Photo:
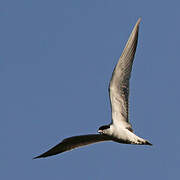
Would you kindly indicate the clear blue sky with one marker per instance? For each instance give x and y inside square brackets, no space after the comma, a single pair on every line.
[56,59]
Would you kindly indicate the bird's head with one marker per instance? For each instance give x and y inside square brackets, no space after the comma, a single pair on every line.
[104,129]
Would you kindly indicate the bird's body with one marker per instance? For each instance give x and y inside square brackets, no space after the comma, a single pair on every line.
[123,135]
[119,130]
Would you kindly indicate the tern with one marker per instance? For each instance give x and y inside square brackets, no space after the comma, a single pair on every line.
[120,129]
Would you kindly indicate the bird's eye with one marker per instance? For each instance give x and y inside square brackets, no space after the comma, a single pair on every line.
[104,127]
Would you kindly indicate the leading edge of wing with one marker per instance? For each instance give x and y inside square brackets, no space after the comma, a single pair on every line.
[74,142]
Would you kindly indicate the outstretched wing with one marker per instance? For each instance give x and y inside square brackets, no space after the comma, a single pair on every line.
[119,84]
[74,142]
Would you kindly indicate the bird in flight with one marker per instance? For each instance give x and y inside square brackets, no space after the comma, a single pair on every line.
[120,129]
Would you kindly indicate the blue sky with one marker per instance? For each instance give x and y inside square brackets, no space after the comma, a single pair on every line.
[55,64]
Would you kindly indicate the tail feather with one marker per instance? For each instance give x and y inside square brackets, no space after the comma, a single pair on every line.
[141,141]
[144,142]
[148,143]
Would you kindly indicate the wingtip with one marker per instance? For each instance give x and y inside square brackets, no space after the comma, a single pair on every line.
[138,21]
[37,157]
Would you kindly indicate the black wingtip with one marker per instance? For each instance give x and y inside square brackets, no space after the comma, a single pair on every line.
[37,157]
